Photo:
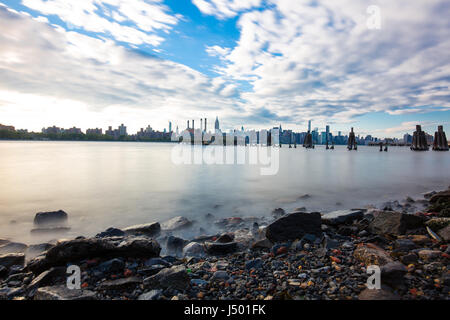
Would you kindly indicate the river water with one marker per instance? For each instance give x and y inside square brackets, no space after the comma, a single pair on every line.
[104,184]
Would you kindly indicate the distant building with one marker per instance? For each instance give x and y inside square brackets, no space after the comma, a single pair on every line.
[407,138]
[73,131]
[52,130]
[122,130]
[95,131]
[216,125]
[8,128]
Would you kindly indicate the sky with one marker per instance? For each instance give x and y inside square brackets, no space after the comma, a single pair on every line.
[380,66]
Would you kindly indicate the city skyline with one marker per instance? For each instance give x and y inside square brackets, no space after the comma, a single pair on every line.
[256,62]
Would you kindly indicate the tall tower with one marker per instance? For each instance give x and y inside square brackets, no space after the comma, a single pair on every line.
[216,124]
[205,124]
[170,126]
[309,125]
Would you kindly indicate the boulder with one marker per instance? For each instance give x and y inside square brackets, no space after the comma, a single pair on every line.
[13,247]
[294,226]
[149,229]
[51,217]
[225,238]
[79,249]
[3,241]
[392,273]
[278,212]
[61,292]
[371,254]
[443,196]
[47,277]
[395,223]
[176,223]
[175,277]
[110,232]
[342,217]
[216,248]
[193,249]
[11,259]
[175,244]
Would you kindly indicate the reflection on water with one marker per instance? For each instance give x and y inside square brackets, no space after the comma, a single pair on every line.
[103,184]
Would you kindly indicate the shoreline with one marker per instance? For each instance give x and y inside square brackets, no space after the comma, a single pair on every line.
[324,257]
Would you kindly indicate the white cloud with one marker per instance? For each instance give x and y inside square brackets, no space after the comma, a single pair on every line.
[225,8]
[146,17]
[50,71]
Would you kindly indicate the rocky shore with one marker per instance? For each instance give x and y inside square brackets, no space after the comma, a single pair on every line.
[298,255]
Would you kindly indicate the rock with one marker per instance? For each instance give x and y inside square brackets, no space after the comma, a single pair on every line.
[120,284]
[36,249]
[110,232]
[409,258]
[79,249]
[428,255]
[278,212]
[47,277]
[61,292]
[175,244]
[254,264]
[345,230]
[220,276]
[175,277]
[3,241]
[176,223]
[418,239]
[438,223]
[396,223]
[262,244]
[216,248]
[443,196]
[10,259]
[404,245]
[294,226]
[329,243]
[151,295]
[51,217]
[149,229]
[392,273]
[54,230]
[445,233]
[113,265]
[13,247]
[225,238]
[371,254]
[157,261]
[381,294]
[193,249]
[341,217]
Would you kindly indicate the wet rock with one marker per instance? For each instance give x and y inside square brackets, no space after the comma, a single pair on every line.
[445,233]
[216,248]
[225,238]
[175,244]
[79,249]
[220,276]
[409,258]
[294,226]
[175,277]
[342,217]
[176,223]
[10,259]
[151,295]
[404,245]
[262,244]
[61,292]
[254,264]
[443,196]
[113,265]
[51,217]
[381,294]
[371,254]
[13,247]
[347,230]
[329,243]
[110,232]
[157,261]
[428,255]
[120,284]
[193,249]
[149,229]
[392,273]
[396,223]
[47,277]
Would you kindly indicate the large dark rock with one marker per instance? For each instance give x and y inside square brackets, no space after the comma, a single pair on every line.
[61,292]
[11,259]
[175,277]
[393,273]
[110,232]
[217,248]
[51,217]
[443,196]
[47,277]
[148,229]
[342,217]
[294,226]
[395,223]
[13,247]
[175,244]
[79,249]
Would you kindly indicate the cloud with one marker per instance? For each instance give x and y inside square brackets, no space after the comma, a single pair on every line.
[319,60]
[45,65]
[132,21]
[223,9]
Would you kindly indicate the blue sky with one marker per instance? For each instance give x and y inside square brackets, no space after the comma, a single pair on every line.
[253,63]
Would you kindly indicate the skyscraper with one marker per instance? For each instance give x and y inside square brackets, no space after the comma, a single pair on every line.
[216,124]
[170,126]
[309,125]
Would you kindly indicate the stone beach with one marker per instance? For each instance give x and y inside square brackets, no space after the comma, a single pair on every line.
[298,255]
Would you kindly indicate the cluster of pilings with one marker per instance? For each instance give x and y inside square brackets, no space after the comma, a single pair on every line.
[352,141]
[308,143]
[440,140]
[419,140]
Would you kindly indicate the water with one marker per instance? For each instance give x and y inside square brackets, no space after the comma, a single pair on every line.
[104,184]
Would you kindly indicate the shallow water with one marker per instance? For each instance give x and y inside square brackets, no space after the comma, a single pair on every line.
[103,184]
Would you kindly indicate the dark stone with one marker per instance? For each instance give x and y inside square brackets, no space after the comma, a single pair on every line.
[329,243]
[216,248]
[61,292]
[443,196]
[225,238]
[393,273]
[47,277]
[36,249]
[13,247]
[113,265]
[111,232]
[374,294]
[342,217]
[152,229]
[51,217]
[254,264]
[79,249]
[347,230]
[445,233]
[157,261]
[10,259]
[294,226]
[404,245]
[175,243]
[3,271]
[175,277]
[396,223]
[409,258]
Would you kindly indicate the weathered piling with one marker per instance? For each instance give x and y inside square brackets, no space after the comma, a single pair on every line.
[440,142]
[308,143]
[419,142]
